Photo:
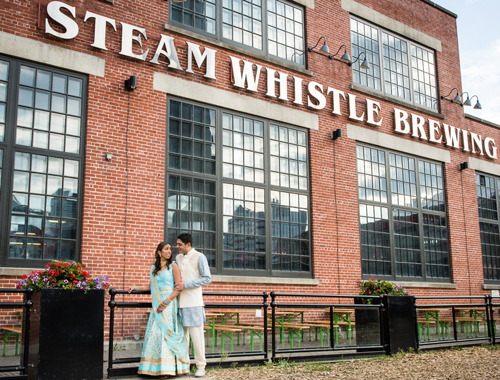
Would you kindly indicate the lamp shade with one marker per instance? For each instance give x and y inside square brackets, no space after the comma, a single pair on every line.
[478,106]
[467,102]
[365,65]
[457,99]
[324,49]
[345,58]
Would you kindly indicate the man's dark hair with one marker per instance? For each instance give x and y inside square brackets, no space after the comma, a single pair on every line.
[186,238]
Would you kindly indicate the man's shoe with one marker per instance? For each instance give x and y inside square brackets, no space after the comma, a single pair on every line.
[200,373]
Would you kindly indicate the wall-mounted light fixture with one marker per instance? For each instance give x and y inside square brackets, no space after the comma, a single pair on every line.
[345,57]
[337,134]
[323,50]
[464,165]
[131,83]
[364,65]
[457,99]
[108,156]
[468,101]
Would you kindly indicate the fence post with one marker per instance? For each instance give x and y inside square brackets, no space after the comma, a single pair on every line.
[383,337]
[265,305]
[493,327]
[26,325]
[273,325]
[112,305]
[415,318]
[488,319]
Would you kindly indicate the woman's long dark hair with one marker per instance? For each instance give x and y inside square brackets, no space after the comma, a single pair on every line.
[158,257]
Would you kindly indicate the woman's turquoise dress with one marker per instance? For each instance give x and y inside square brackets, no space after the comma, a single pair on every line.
[164,351]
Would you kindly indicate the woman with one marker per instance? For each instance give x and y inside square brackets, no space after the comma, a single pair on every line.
[164,352]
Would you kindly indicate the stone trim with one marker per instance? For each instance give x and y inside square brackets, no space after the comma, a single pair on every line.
[265,280]
[40,52]
[205,93]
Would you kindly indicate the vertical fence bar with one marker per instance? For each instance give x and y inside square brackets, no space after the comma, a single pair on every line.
[273,325]
[112,305]
[415,320]
[332,336]
[27,324]
[265,305]
[487,311]
[383,338]
[493,327]
[455,331]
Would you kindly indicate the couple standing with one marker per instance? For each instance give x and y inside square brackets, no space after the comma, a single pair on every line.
[173,323]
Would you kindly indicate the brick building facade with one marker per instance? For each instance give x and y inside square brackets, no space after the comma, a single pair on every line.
[228,135]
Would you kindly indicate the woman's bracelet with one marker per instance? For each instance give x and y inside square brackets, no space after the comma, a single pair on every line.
[167,302]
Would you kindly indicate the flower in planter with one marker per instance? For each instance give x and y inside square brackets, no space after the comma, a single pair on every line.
[374,287]
[62,275]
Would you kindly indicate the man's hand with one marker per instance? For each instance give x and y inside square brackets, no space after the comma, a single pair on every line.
[179,285]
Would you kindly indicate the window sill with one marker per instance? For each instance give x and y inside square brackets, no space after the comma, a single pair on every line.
[237,49]
[427,285]
[367,91]
[265,280]
[16,272]
[491,286]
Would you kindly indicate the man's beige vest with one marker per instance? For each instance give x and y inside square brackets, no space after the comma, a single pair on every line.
[188,264]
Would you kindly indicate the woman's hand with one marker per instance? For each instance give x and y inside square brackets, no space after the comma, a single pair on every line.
[160,308]
[130,289]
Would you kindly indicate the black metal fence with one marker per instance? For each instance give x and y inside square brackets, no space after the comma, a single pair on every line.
[22,368]
[339,320]
[457,322]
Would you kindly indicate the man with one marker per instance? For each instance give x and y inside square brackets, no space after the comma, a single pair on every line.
[195,273]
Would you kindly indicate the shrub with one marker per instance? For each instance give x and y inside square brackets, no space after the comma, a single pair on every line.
[374,287]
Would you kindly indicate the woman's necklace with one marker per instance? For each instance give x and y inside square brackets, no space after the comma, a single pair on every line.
[163,263]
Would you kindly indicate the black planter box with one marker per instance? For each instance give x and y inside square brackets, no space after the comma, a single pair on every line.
[66,335]
[400,330]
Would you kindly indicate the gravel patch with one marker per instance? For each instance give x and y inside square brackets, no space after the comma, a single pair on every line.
[472,363]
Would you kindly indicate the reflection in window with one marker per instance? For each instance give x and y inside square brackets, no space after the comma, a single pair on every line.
[290,231]
[487,201]
[49,110]
[391,219]
[246,23]
[406,70]
[191,143]
[191,207]
[247,184]
[244,227]
[44,207]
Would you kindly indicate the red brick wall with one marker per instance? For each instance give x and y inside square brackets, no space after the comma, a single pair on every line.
[103,239]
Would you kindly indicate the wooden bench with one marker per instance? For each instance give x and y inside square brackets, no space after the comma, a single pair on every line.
[225,330]
[11,330]
[423,324]
[255,330]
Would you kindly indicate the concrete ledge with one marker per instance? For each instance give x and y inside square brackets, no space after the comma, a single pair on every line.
[390,24]
[16,272]
[368,91]
[491,287]
[266,280]
[373,137]
[41,52]
[427,285]
[211,95]
[484,166]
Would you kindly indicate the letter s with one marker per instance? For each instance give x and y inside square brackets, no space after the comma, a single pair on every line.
[54,12]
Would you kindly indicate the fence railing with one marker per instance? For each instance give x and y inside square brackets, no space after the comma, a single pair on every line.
[463,319]
[26,305]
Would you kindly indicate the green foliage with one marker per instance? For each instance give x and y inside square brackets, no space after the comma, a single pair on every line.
[62,275]
[374,287]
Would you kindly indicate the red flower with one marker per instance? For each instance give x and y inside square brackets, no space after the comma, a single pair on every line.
[75,282]
[51,280]
[24,276]
[72,275]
